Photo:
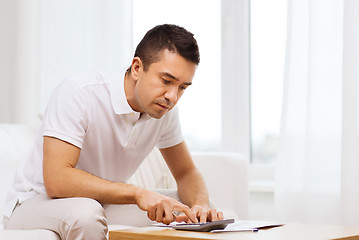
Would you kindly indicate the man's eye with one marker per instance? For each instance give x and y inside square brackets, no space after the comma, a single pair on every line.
[165,81]
[182,87]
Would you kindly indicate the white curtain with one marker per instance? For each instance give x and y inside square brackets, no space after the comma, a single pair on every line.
[60,37]
[317,177]
[350,149]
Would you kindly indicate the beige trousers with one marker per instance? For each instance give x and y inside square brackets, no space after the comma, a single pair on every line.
[76,218]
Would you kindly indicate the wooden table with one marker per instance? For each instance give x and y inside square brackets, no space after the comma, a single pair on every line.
[286,232]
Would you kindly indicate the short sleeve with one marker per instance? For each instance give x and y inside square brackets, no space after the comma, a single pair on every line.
[66,116]
[172,133]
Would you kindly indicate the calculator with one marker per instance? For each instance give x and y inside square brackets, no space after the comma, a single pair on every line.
[204,226]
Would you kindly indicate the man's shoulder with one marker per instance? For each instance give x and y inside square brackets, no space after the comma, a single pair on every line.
[86,78]
[81,85]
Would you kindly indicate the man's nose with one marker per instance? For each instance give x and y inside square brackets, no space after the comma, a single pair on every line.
[172,94]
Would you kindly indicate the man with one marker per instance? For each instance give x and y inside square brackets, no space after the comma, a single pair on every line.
[97,129]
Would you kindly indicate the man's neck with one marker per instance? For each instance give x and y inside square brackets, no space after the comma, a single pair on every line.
[129,88]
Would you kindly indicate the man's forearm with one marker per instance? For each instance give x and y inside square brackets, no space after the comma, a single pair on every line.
[73,182]
[192,189]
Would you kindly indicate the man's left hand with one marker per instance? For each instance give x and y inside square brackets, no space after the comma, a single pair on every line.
[203,214]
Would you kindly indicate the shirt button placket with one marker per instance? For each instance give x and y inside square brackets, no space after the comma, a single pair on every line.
[132,139]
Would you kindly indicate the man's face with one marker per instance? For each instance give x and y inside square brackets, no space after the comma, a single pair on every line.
[158,89]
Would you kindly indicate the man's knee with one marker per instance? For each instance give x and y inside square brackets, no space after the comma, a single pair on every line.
[87,212]
[88,216]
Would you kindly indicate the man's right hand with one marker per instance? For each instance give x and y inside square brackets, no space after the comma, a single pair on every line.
[160,208]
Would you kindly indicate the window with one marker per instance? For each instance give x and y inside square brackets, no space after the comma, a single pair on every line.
[200,107]
[267,41]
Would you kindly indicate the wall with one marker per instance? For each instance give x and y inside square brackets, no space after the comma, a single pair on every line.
[8,29]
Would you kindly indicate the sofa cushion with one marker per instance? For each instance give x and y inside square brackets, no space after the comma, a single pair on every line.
[15,143]
[28,235]
[153,173]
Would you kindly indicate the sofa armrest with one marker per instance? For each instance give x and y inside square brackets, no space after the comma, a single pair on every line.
[226,177]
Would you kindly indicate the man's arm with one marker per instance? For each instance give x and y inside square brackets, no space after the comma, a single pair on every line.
[62,179]
[191,187]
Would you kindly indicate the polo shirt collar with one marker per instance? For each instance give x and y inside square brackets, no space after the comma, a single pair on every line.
[117,93]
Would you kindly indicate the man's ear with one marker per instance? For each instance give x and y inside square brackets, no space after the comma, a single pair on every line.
[136,68]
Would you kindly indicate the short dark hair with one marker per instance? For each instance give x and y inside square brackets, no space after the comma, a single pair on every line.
[169,37]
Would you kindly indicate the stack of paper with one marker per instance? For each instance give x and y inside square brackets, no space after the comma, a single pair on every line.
[242,226]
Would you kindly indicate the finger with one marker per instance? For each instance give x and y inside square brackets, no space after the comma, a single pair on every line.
[168,216]
[182,218]
[213,215]
[220,215]
[159,213]
[187,211]
[203,215]
[151,214]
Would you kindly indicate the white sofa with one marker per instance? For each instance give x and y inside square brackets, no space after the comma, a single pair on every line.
[224,173]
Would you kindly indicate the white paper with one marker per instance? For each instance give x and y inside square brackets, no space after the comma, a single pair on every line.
[241,226]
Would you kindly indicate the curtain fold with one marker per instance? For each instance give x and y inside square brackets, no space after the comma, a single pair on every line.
[350,144]
[318,169]
[308,183]
[58,38]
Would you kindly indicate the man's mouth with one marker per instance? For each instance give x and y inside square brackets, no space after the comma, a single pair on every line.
[163,106]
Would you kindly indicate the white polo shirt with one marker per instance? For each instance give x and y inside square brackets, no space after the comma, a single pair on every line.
[90,111]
